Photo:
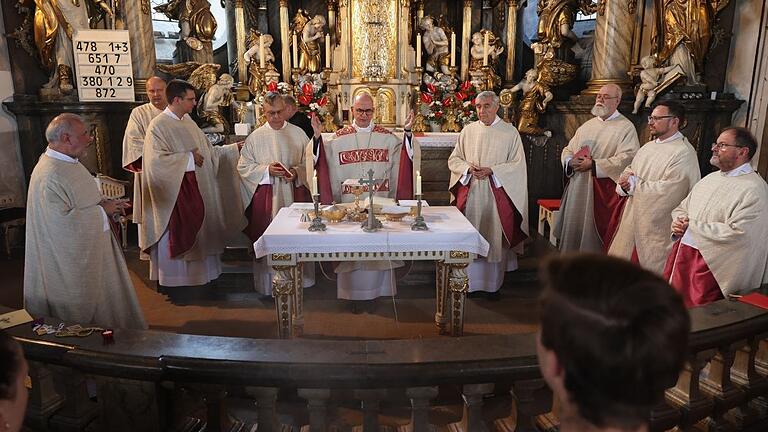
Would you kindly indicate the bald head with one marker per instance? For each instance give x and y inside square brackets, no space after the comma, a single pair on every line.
[362,110]
[156,92]
[68,134]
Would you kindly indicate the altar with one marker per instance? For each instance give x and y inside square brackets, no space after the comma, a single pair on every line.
[451,241]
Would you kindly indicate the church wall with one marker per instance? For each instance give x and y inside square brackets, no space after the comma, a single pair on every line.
[11,175]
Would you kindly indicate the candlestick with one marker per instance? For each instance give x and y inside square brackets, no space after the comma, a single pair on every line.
[317,222]
[485,49]
[453,49]
[418,222]
[295,51]
[418,183]
[314,183]
[327,51]
[418,49]
[262,60]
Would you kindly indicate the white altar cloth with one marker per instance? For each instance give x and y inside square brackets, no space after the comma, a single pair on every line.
[448,230]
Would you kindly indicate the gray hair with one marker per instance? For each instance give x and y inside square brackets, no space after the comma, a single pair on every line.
[272,97]
[60,125]
[487,94]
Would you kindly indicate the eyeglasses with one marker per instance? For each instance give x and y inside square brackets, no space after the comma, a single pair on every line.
[363,111]
[718,146]
[652,119]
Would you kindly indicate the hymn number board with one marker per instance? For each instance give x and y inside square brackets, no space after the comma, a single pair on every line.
[103,66]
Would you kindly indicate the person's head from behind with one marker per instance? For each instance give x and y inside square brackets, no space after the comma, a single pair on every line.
[13,391]
[290,106]
[613,337]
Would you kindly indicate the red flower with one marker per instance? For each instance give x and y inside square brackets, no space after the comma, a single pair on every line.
[305,99]
[272,86]
[460,96]
[323,101]
[447,102]
[431,88]
[466,85]
[426,98]
[438,114]
[307,89]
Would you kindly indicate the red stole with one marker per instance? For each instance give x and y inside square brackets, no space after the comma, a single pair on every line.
[608,206]
[405,175]
[511,219]
[690,276]
[323,175]
[134,166]
[259,211]
[187,216]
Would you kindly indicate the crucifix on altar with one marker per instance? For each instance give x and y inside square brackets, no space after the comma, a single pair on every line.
[372,224]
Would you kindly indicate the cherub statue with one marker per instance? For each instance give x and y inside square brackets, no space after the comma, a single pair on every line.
[197,25]
[253,61]
[309,32]
[650,77]
[556,19]
[536,96]
[495,48]
[441,80]
[216,97]
[54,24]
[436,44]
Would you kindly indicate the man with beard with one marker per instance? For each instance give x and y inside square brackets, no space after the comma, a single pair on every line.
[659,177]
[133,140]
[593,161]
[721,226]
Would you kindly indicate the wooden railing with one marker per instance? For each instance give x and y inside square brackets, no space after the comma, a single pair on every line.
[155,381]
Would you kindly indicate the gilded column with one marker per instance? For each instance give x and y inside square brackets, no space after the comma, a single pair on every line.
[331,5]
[285,37]
[138,21]
[614,29]
[511,38]
[466,35]
[242,69]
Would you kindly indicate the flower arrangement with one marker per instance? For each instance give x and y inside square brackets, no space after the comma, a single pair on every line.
[436,100]
[281,87]
[311,98]
[465,96]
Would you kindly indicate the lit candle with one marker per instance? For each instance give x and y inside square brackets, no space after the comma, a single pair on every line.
[262,60]
[327,51]
[418,49]
[453,49]
[418,183]
[314,184]
[485,49]
[295,51]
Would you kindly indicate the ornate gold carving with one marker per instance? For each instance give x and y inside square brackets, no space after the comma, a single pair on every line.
[556,18]
[601,7]
[145,7]
[459,255]
[374,41]
[281,257]
[632,6]
[284,3]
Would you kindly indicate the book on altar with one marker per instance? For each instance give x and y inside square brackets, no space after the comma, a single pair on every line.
[413,203]
[12,319]
[381,201]
[582,153]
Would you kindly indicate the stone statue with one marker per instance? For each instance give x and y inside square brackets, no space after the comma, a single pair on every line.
[650,78]
[556,18]
[309,32]
[683,30]
[436,44]
[54,24]
[495,48]
[213,100]
[252,61]
[198,26]
[536,96]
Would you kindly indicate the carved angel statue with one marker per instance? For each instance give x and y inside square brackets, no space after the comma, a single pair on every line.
[477,51]
[54,24]
[215,95]
[436,44]
[682,33]
[650,78]
[198,26]
[253,61]
[309,33]
[556,18]
[536,88]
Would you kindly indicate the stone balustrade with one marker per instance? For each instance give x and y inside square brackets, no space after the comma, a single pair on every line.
[156,381]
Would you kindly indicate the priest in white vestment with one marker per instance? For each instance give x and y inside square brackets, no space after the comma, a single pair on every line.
[74,268]
[185,226]
[273,176]
[489,184]
[721,227]
[661,174]
[593,161]
[350,154]
[133,140]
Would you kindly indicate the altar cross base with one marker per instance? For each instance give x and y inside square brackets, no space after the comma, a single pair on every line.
[371,224]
